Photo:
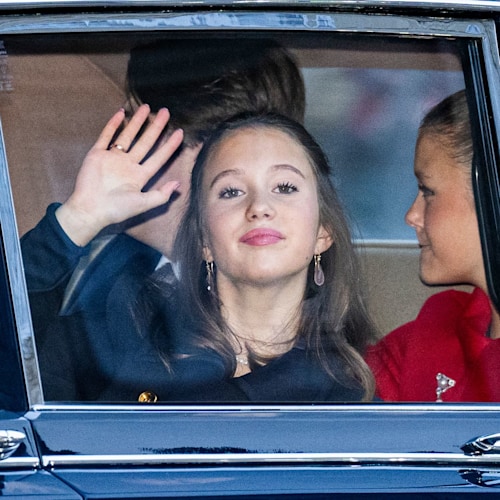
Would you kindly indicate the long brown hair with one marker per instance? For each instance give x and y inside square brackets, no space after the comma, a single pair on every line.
[333,319]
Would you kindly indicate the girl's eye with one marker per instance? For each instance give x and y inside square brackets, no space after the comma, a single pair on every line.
[286,188]
[230,192]
[425,190]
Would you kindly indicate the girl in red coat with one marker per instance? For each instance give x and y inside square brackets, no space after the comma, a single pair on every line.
[451,351]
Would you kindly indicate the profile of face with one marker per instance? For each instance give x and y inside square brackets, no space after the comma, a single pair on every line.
[444,217]
[260,209]
[158,228]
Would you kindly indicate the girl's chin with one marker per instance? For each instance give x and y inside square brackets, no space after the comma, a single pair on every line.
[427,277]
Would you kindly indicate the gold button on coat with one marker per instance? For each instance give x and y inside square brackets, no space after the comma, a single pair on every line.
[147,397]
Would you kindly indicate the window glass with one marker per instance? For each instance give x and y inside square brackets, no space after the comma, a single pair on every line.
[369,134]
[364,100]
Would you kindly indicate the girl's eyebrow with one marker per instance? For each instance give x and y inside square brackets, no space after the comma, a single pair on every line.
[237,171]
[286,166]
[224,173]
[420,174]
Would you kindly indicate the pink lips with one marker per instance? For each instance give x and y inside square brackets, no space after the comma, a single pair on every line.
[261,237]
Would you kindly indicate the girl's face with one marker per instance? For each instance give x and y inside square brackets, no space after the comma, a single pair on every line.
[261,209]
[444,217]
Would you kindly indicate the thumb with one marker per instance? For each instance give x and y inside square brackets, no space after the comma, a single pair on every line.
[168,188]
[156,197]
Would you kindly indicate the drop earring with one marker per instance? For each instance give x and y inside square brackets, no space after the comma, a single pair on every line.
[210,274]
[319,275]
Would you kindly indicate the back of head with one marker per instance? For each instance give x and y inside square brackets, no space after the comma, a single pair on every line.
[206,81]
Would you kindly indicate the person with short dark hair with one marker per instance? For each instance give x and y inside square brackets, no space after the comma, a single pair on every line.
[204,82]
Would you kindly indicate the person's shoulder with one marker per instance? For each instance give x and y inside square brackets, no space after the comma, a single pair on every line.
[445,302]
[454,306]
[436,314]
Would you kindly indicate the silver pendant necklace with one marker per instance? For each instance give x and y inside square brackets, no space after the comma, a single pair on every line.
[242,360]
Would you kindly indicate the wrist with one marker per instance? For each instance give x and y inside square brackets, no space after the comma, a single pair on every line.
[79,226]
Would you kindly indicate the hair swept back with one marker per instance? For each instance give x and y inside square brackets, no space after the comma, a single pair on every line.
[449,122]
[205,81]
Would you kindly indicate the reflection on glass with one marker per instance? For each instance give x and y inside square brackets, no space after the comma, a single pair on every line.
[367,120]
[363,103]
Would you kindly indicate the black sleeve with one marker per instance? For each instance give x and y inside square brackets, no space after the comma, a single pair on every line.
[49,255]
[49,258]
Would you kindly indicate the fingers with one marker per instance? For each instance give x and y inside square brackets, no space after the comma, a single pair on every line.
[126,155]
[150,136]
[160,196]
[129,133]
[163,153]
[110,129]
[138,147]
[124,143]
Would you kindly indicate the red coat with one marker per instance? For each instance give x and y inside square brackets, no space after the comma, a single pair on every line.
[449,336]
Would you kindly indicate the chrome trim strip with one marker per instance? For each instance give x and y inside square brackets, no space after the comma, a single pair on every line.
[466,5]
[491,53]
[443,459]
[284,21]
[207,409]
[320,21]
[17,282]
[19,462]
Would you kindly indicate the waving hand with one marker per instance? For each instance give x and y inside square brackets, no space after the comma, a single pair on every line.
[108,188]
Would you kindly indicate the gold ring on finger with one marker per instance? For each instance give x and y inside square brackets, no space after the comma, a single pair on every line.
[117,146]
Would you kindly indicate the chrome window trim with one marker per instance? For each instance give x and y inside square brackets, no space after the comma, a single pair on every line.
[269,408]
[482,30]
[463,5]
[318,21]
[343,458]
[491,56]
[19,462]
[19,293]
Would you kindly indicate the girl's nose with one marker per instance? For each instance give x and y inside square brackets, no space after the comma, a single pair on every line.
[414,215]
[260,207]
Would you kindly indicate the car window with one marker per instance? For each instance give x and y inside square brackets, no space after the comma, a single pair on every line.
[366,92]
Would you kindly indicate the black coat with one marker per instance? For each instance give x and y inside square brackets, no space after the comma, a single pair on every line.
[102,341]
[83,339]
